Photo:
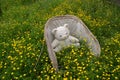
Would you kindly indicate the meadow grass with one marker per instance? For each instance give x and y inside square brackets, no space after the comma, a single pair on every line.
[21,40]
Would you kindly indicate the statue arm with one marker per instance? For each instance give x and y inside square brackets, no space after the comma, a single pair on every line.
[55,43]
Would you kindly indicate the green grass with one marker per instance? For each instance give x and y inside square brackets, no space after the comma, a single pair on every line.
[21,40]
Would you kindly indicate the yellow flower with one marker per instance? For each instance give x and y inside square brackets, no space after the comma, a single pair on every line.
[38,77]
[9,57]
[21,76]
[87,78]
[65,78]
[116,78]
[12,73]
[14,68]
[1,65]
[66,67]
[97,76]
[6,72]
[24,74]
[20,53]
[3,77]
[18,68]
[75,60]
[14,44]
[5,66]
[34,70]
[67,73]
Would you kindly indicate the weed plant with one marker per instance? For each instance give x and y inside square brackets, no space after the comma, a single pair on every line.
[21,40]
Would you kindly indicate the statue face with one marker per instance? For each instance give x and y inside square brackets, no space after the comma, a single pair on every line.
[62,33]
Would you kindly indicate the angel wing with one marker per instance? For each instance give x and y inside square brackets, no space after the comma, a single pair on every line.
[77,29]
